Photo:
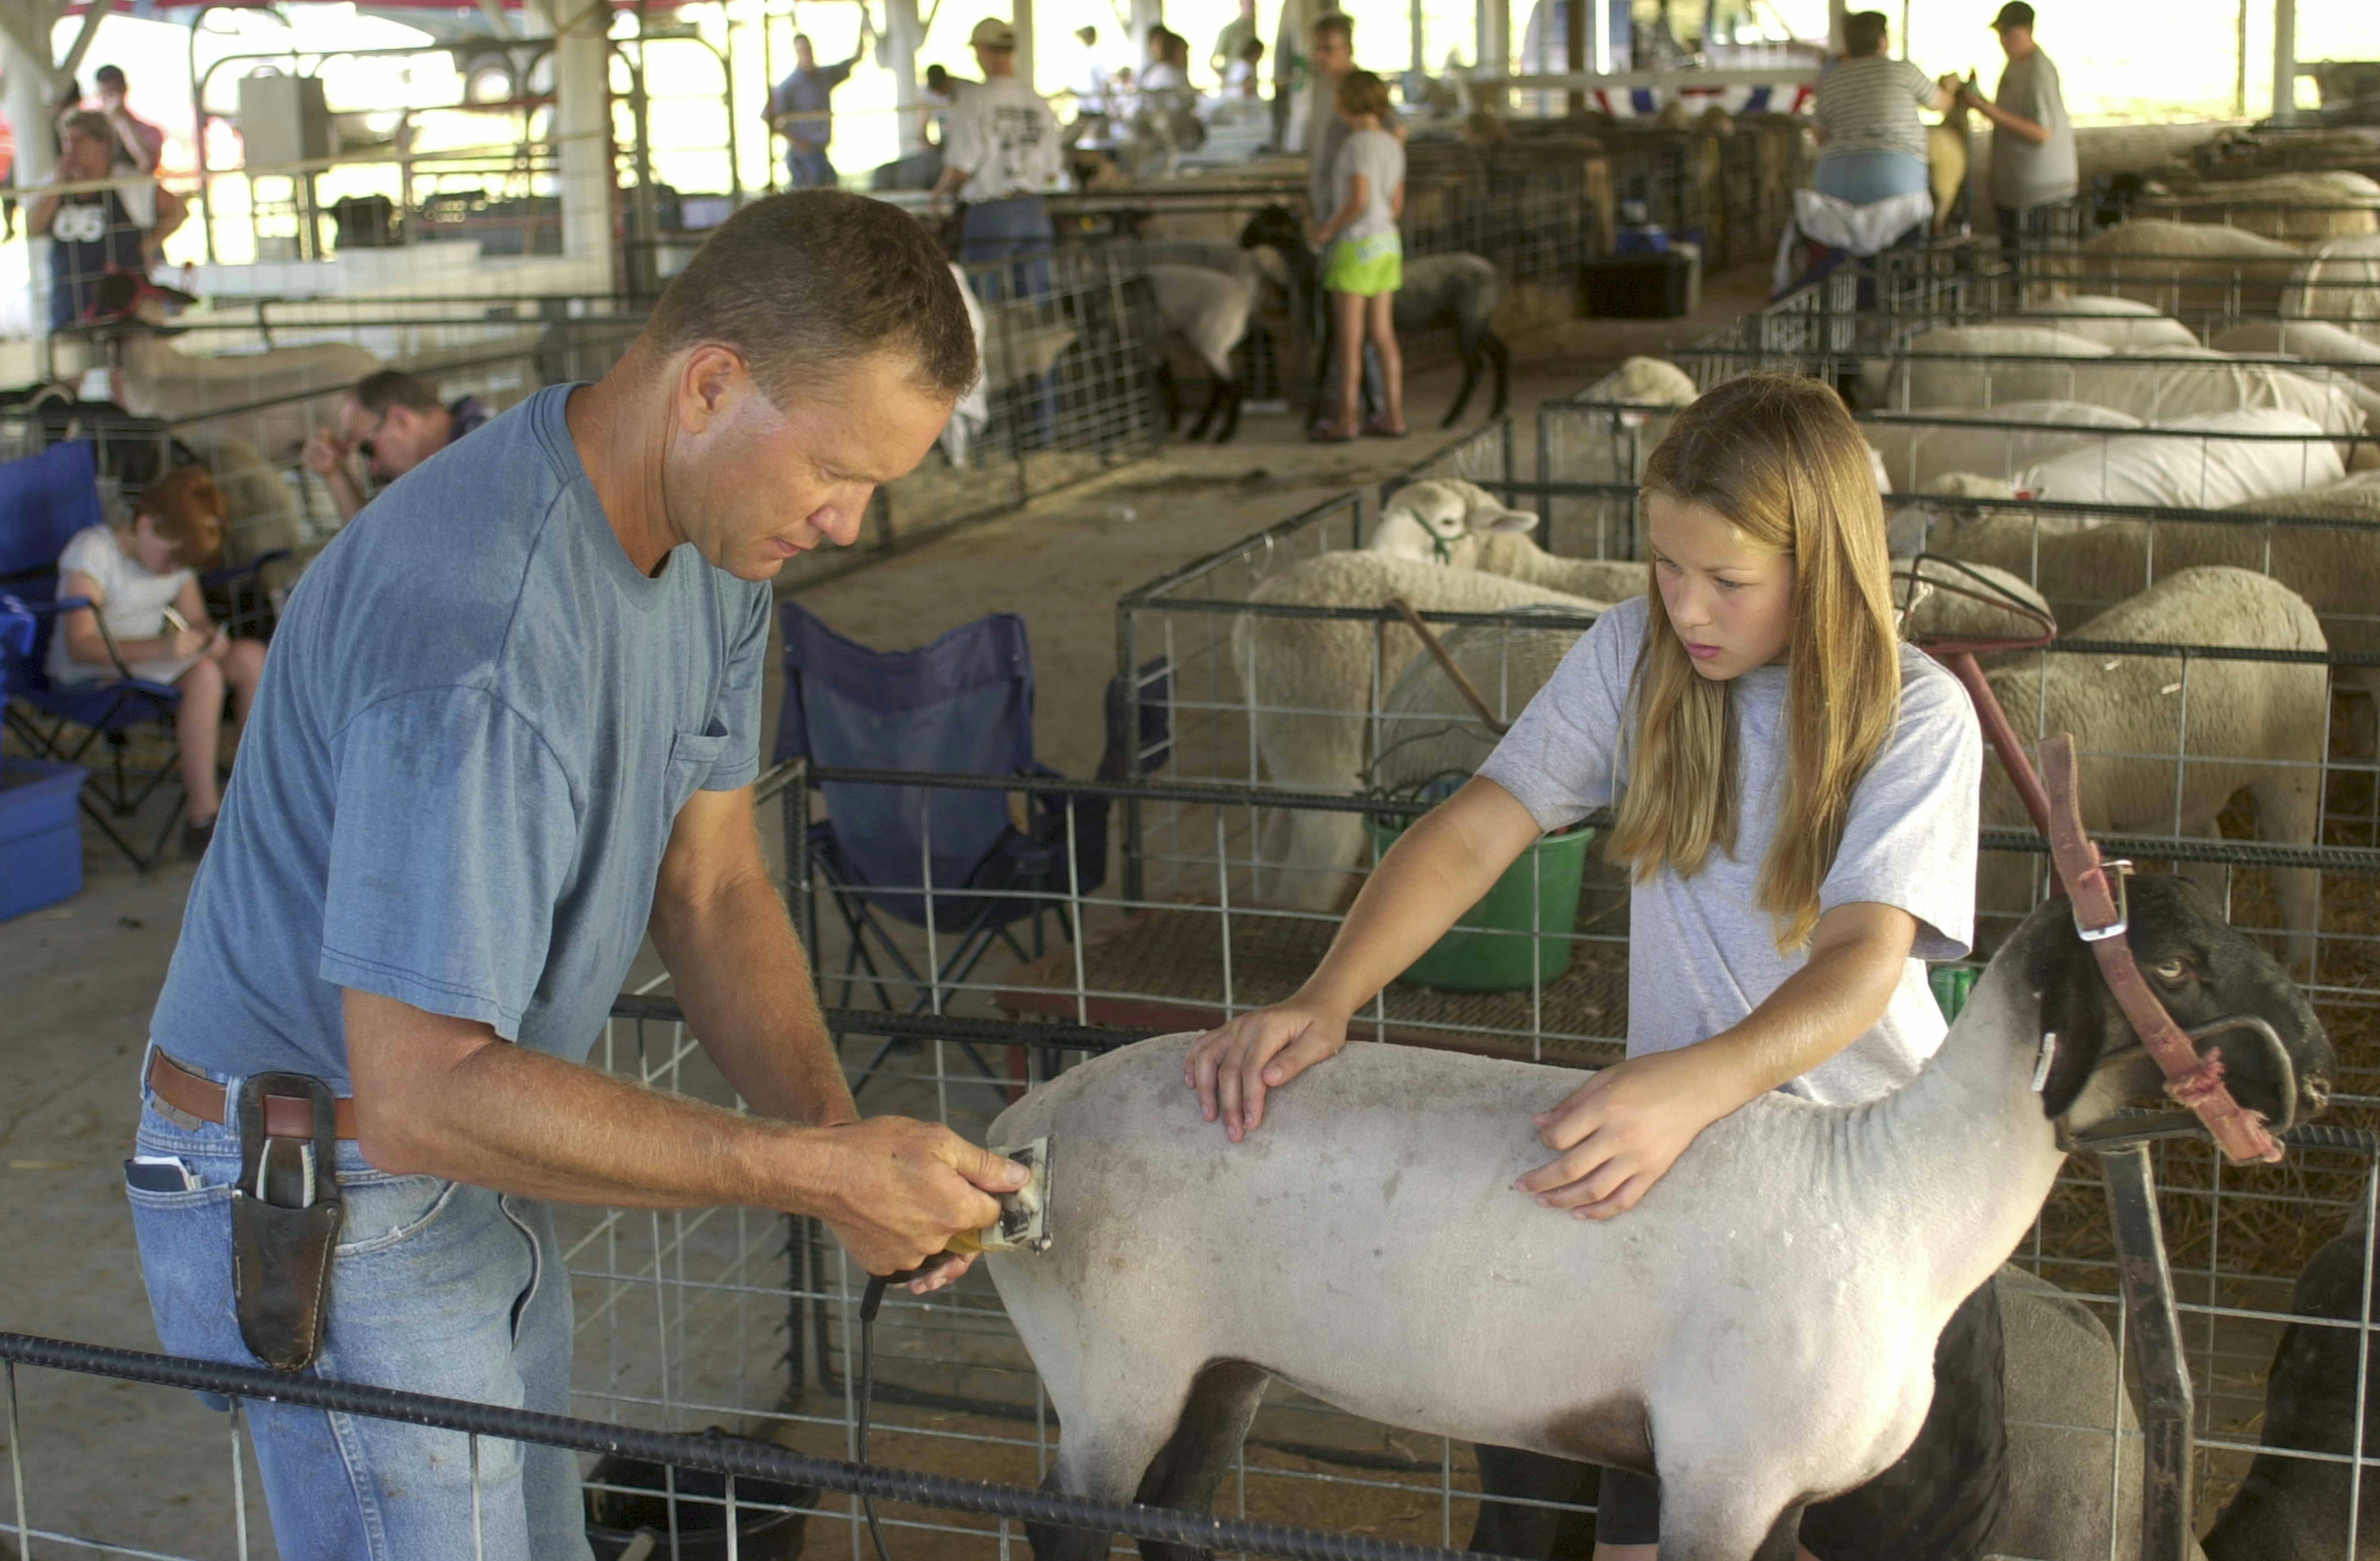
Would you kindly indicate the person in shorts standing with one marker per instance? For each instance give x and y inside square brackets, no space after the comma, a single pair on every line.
[1362,263]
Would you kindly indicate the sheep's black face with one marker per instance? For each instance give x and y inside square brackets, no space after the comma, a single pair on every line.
[2204,972]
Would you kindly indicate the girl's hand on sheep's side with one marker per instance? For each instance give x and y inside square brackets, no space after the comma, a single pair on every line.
[1622,1129]
[1232,1067]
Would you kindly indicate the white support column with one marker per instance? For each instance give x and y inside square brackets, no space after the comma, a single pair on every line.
[1598,38]
[1146,14]
[1021,18]
[1495,53]
[26,96]
[1836,11]
[903,36]
[1414,32]
[2285,60]
[582,121]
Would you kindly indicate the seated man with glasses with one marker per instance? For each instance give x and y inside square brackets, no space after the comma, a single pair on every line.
[391,422]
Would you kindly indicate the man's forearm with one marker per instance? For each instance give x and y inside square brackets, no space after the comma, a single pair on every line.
[503,1115]
[346,492]
[745,983]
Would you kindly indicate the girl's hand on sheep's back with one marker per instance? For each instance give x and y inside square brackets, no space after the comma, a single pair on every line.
[1622,1130]
[1232,1067]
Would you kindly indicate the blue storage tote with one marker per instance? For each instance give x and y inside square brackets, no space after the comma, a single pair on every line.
[40,837]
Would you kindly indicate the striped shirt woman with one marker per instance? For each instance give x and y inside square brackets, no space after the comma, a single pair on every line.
[1865,118]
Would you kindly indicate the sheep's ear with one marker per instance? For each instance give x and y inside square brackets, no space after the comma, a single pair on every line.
[2075,1006]
[1505,520]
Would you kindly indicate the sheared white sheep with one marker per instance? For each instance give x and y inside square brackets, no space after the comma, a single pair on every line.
[2317,341]
[2297,206]
[2184,268]
[1209,311]
[2257,725]
[1380,1260]
[1647,382]
[2230,456]
[2124,325]
[2340,281]
[1921,445]
[1921,382]
[1311,684]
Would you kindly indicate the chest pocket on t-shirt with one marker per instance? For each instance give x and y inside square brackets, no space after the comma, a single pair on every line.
[693,756]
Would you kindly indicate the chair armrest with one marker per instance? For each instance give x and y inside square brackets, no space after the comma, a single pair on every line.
[231,572]
[66,604]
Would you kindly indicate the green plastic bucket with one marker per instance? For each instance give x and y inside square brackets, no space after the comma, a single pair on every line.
[1952,985]
[1480,953]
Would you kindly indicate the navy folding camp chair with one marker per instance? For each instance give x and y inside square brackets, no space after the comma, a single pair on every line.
[940,856]
[44,500]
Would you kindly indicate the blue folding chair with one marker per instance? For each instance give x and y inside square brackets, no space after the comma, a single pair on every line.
[44,500]
[938,856]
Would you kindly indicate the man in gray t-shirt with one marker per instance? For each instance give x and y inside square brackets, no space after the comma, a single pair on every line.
[2034,164]
[1701,954]
[509,729]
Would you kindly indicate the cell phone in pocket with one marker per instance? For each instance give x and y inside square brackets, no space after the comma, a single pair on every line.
[154,1174]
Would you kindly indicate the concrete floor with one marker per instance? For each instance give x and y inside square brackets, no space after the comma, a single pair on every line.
[149,1467]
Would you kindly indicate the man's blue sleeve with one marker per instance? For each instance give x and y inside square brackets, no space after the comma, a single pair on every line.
[739,701]
[455,835]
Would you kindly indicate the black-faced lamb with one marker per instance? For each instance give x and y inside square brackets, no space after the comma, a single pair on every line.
[1209,311]
[1367,1246]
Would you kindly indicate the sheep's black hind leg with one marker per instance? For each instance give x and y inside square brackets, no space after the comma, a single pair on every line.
[1216,391]
[1462,396]
[1169,395]
[1232,394]
[1189,1468]
[1500,357]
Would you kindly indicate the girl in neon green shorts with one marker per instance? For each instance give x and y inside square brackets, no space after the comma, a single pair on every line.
[1363,258]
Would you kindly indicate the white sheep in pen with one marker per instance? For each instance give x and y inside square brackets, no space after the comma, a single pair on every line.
[2125,324]
[2185,267]
[2235,455]
[2255,725]
[2336,572]
[2340,281]
[1923,446]
[1366,1246]
[1310,683]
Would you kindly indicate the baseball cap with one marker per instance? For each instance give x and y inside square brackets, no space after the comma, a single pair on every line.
[992,34]
[2016,13]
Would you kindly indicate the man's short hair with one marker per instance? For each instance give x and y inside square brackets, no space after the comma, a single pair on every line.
[800,39]
[380,393]
[1864,33]
[89,123]
[1338,24]
[806,284]
[1087,35]
[109,75]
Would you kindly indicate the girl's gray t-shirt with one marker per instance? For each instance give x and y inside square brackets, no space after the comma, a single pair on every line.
[1380,158]
[1702,953]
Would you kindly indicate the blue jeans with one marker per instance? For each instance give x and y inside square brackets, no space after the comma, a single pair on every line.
[436,1287]
[1864,177]
[1000,230]
[810,170]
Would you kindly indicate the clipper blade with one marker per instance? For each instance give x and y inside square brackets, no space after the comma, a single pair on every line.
[1023,1223]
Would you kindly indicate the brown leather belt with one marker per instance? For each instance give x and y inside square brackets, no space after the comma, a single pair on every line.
[286,1116]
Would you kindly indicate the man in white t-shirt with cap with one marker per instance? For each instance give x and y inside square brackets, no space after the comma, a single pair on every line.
[1000,151]
[2034,165]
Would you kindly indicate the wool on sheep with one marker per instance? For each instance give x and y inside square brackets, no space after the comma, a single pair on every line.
[1921,445]
[2184,268]
[2269,452]
[2124,325]
[2340,281]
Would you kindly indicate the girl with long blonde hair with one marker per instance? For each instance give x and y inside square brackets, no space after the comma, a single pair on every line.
[1794,796]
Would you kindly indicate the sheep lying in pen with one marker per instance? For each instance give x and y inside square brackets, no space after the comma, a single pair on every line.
[2254,725]
[2339,282]
[2185,267]
[2238,455]
[1923,446]
[2124,325]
